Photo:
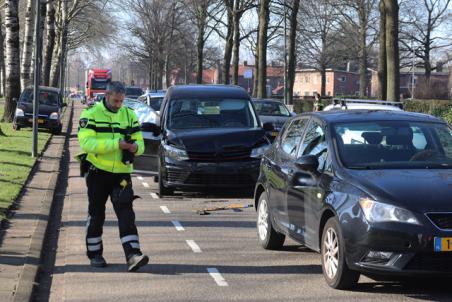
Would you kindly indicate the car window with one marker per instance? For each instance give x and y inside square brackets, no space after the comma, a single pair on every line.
[314,141]
[292,136]
[394,144]
[211,113]
[271,108]
[49,98]
[155,103]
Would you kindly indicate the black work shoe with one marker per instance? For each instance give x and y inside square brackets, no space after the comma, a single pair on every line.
[98,261]
[136,261]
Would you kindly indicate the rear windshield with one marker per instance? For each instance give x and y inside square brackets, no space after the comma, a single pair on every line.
[394,144]
[100,84]
[45,97]
[271,108]
[211,113]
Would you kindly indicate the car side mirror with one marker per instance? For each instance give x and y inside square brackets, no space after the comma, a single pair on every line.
[293,114]
[268,126]
[63,105]
[151,127]
[308,163]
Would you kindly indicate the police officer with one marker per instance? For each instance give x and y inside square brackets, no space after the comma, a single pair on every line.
[109,133]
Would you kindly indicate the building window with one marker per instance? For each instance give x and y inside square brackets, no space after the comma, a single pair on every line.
[328,79]
[314,93]
[306,78]
[342,78]
[329,93]
[306,93]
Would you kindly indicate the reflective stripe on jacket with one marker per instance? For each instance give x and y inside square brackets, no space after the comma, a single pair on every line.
[99,133]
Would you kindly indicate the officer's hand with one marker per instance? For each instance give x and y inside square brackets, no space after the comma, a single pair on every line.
[123,145]
[133,148]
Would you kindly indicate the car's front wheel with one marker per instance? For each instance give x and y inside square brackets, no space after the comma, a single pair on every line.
[163,191]
[268,237]
[334,267]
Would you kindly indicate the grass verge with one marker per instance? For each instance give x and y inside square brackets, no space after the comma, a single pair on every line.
[15,161]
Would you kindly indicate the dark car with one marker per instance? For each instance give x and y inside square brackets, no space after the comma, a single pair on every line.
[50,105]
[370,190]
[133,92]
[273,112]
[210,137]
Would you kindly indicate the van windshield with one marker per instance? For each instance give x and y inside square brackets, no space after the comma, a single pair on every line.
[49,98]
[211,113]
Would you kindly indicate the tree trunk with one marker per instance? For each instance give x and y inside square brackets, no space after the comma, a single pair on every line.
[2,60]
[151,73]
[56,60]
[50,42]
[382,64]
[323,79]
[362,51]
[236,43]
[264,17]
[12,64]
[392,50]
[255,69]
[26,76]
[199,53]
[292,59]
[229,43]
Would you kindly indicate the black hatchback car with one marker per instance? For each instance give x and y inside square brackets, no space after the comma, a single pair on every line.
[210,136]
[273,112]
[50,105]
[370,190]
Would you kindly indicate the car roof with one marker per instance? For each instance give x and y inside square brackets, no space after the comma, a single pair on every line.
[352,106]
[46,88]
[200,91]
[372,115]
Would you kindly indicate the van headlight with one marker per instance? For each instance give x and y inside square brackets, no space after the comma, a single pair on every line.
[53,116]
[19,112]
[259,151]
[175,153]
[381,212]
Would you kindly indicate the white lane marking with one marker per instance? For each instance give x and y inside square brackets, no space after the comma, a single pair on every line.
[155,196]
[140,178]
[165,209]
[145,184]
[178,226]
[217,276]
[195,248]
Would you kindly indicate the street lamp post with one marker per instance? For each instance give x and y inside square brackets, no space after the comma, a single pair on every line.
[37,77]
[285,53]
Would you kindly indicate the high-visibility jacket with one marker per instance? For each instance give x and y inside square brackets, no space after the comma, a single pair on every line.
[100,131]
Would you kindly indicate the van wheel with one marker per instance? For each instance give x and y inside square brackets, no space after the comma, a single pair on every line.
[334,267]
[268,237]
[57,130]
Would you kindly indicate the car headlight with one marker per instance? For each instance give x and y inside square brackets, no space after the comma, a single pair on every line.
[259,151]
[175,153]
[19,112]
[380,212]
[53,116]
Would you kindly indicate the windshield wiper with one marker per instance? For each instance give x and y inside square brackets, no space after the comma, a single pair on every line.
[361,167]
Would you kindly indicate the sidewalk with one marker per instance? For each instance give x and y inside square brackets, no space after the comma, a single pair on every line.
[22,241]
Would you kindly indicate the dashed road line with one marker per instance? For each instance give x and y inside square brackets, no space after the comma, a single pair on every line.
[155,196]
[195,248]
[165,209]
[145,184]
[215,274]
[178,226]
[140,178]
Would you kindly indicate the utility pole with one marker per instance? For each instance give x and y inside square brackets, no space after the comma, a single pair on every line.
[37,77]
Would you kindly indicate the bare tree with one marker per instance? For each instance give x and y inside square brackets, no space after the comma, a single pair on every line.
[50,41]
[392,50]
[420,30]
[261,63]
[2,59]
[382,63]
[27,49]
[12,67]
[291,55]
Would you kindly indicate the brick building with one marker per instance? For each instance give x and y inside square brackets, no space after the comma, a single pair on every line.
[338,82]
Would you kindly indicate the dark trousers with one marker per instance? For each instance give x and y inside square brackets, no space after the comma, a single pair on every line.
[101,185]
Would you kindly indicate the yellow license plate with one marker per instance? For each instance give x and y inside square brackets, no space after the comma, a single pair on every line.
[40,120]
[274,134]
[443,244]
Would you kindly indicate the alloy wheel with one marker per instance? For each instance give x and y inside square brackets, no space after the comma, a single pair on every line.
[331,253]
[262,220]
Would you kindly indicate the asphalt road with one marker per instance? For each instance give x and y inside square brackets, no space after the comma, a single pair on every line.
[194,257]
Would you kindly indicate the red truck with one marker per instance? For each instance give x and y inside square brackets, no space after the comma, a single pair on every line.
[96,81]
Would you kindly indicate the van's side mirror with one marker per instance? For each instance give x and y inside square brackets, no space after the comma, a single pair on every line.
[308,163]
[268,126]
[151,127]
[63,105]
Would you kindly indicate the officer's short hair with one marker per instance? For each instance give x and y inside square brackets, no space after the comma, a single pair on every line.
[116,87]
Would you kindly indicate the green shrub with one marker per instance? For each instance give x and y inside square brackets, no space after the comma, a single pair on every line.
[448,116]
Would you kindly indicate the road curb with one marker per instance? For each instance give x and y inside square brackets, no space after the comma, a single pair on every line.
[27,277]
